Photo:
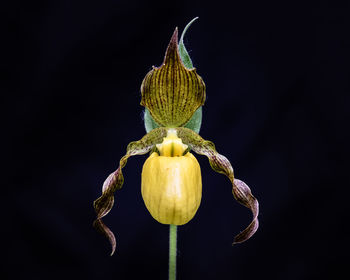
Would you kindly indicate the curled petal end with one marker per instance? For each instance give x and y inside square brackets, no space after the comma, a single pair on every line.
[243,195]
[103,229]
[247,233]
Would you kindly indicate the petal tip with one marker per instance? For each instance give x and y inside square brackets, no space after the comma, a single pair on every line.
[104,230]
[174,37]
[172,49]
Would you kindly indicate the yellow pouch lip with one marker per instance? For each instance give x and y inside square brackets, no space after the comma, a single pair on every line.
[171,188]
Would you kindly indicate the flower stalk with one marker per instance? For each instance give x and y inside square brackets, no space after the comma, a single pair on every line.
[172,251]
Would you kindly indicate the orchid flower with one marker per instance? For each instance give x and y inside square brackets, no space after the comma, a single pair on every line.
[171,187]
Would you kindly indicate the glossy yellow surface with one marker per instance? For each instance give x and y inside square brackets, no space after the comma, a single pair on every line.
[172,185]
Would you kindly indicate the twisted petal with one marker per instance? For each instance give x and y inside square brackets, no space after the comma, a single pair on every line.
[172,92]
[219,163]
[115,180]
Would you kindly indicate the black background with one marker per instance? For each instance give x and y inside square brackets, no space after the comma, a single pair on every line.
[277,76]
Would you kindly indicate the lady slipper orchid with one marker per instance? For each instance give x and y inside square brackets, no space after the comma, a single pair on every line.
[171,178]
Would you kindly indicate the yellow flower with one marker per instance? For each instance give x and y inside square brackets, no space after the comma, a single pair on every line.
[171,182]
[171,178]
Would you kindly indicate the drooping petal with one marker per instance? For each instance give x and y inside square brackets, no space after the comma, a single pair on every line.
[221,164]
[172,92]
[115,180]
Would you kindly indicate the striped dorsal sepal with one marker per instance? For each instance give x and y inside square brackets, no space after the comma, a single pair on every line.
[172,93]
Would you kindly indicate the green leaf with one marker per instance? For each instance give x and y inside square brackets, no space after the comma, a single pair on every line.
[185,57]
[150,123]
[195,122]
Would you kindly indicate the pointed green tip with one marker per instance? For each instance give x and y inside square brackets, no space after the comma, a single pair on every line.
[187,26]
[185,57]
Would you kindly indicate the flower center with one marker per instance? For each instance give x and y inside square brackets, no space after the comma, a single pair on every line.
[172,145]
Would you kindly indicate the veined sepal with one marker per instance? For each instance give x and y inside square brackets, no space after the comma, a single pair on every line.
[172,93]
[196,120]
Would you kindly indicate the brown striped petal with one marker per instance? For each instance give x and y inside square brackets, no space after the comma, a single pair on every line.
[221,164]
[172,92]
[115,180]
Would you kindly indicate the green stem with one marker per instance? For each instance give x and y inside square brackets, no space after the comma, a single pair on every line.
[172,252]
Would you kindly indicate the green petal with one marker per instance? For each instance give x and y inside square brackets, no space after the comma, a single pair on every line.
[221,164]
[172,92]
[115,180]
